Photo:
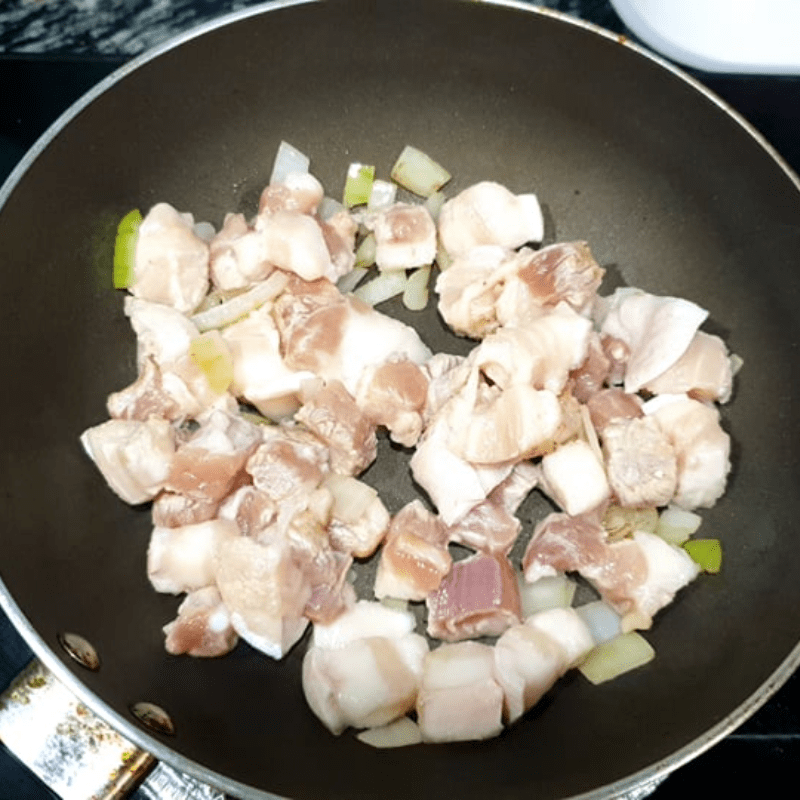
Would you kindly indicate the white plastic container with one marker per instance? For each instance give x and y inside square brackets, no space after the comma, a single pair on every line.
[739,36]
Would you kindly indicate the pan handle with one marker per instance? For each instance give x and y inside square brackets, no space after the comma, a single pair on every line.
[78,755]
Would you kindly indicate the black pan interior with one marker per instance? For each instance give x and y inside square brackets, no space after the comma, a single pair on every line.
[672,194]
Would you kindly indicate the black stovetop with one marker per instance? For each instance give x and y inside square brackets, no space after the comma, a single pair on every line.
[763,754]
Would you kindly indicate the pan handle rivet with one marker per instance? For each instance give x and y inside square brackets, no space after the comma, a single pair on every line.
[79,650]
[153,717]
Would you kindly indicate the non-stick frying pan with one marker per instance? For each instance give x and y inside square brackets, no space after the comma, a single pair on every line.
[674,193]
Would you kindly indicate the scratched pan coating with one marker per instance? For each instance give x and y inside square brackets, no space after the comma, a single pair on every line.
[673,193]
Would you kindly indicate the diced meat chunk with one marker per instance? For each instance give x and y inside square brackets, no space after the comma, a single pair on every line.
[297,191]
[209,463]
[162,332]
[364,683]
[260,375]
[170,260]
[405,237]
[202,627]
[238,255]
[294,242]
[134,457]
[459,698]
[701,445]
[540,352]
[640,462]
[359,519]
[480,597]
[145,397]
[182,559]
[586,380]
[332,414]
[489,527]
[393,394]
[657,330]
[703,371]
[290,462]
[612,404]
[531,657]
[488,213]
[265,592]
[365,619]
[575,478]
[172,510]
[414,558]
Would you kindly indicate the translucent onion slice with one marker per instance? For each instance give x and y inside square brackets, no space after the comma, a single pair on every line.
[328,208]
[365,252]
[389,283]
[210,352]
[415,295]
[125,249]
[418,172]
[434,204]
[383,195]
[619,655]
[549,591]
[241,305]
[676,525]
[400,733]
[205,230]
[601,620]
[358,184]
[288,159]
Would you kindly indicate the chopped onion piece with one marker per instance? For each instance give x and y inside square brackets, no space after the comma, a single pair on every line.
[350,280]
[237,307]
[676,525]
[358,185]
[706,552]
[365,253]
[210,352]
[418,172]
[443,258]
[328,208]
[415,295]
[549,591]
[736,362]
[434,204]
[125,249]
[613,658]
[601,620]
[621,522]
[288,159]
[395,602]
[383,195]
[400,733]
[205,230]
[389,283]
[351,497]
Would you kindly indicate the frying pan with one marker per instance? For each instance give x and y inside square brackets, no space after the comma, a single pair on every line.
[673,191]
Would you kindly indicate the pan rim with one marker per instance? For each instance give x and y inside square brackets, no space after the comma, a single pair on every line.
[633,786]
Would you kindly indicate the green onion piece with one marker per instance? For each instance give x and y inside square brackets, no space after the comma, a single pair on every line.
[358,186]
[706,552]
[210,352]
[418,172]
[125,249]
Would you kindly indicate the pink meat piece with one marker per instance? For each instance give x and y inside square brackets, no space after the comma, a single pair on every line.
[290,462]
[394,395]
[636,576]
[488,527]
[171,510]
[145,397]
[299,191]
[480,597]
[253,511]
[414,558]
[332,414]
[612,404]
[589,378]
[212,460]
[202,627]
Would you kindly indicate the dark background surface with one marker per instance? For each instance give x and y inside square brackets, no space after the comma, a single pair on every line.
[52,52]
